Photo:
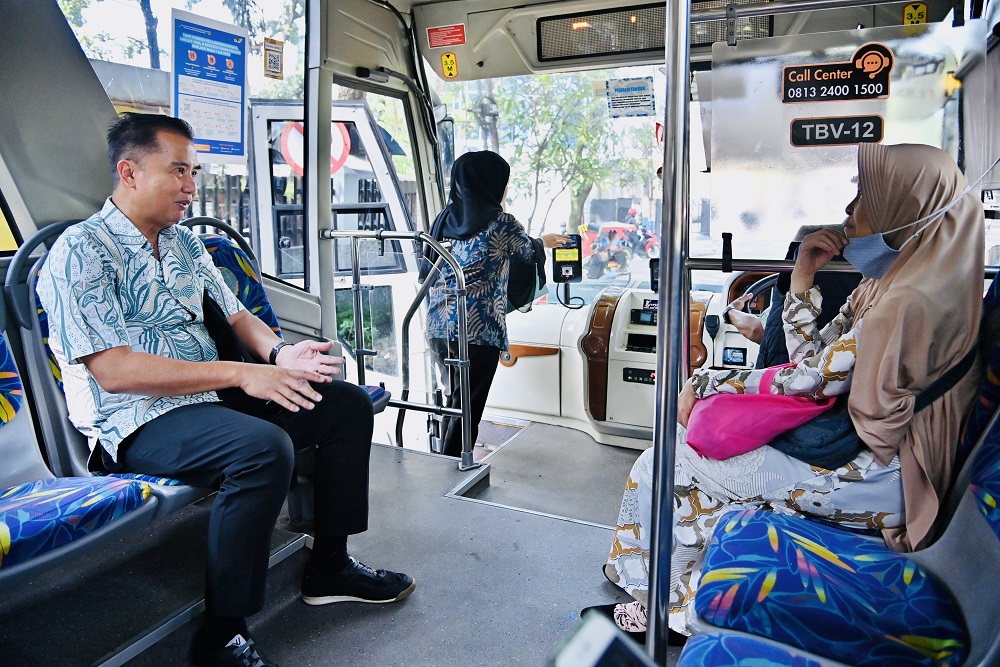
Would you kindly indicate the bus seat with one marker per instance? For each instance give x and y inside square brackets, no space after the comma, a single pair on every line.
[835,594]
[732,650]
[45,519]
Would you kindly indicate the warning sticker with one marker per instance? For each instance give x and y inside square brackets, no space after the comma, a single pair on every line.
[915,13]
[449,65]
[446,35]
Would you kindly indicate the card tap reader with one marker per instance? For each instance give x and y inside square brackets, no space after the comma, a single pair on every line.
[567,262]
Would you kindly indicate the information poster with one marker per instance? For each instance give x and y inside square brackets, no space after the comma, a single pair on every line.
[630,97]
[209,85]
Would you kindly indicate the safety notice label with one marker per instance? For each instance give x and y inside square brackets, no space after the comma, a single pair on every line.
[446,35]
[630,97]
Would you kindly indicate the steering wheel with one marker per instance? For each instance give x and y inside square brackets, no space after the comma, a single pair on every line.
[765,283]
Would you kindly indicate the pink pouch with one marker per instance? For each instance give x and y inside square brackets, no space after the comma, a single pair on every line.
[725,425]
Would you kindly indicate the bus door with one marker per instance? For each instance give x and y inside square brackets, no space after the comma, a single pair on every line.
[366,195]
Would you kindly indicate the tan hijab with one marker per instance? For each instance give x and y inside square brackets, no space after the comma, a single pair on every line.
[920,319]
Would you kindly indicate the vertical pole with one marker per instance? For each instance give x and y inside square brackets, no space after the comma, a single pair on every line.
[673,331]
[318,193]
[359,333]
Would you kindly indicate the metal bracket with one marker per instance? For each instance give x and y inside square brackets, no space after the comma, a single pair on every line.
[731,24]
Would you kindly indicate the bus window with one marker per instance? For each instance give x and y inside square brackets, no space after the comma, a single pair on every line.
[378,326]
[583,159]
[390,114]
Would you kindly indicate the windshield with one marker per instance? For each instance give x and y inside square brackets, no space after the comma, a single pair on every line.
[584,150]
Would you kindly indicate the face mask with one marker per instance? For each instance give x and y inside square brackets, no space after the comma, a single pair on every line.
[872,256]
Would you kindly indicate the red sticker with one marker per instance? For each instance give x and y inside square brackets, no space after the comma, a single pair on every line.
[446,35]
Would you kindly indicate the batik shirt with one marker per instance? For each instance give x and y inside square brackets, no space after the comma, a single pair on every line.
[485,259]
[824,360]
[102,287]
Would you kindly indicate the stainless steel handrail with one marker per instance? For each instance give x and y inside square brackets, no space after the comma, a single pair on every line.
[466,462]
[405,344]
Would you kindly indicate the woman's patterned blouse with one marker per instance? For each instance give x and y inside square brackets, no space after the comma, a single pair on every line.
[824,360]
[485,258]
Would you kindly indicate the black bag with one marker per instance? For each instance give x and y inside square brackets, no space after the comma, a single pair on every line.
[229,347]
[525,278]
[828,440]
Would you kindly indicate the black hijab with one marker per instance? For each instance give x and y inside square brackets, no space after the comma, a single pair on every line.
[478,182]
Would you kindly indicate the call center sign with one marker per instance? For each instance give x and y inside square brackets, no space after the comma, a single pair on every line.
[864,77]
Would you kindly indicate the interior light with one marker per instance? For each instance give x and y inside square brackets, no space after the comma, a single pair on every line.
[632,18]
[579,25]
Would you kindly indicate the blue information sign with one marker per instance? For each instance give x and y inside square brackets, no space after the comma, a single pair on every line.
[209,84]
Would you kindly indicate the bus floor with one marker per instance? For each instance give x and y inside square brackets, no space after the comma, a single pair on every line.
[496,585]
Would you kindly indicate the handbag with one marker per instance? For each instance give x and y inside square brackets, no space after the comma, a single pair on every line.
[828,440]
[724,425]
[526,280]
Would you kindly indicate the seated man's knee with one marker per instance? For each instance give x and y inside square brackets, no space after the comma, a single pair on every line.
[347,399]
[268,447]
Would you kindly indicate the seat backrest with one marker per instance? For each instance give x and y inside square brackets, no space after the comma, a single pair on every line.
[984,408]
[20,457]
[967,556]
[988,397]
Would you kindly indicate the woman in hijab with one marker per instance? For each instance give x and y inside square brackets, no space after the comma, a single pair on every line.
[916,233]
[483,239]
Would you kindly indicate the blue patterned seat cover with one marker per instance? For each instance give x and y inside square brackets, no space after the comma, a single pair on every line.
[36,517]
[39,516]
[828,592]
[739,651]
[985,482]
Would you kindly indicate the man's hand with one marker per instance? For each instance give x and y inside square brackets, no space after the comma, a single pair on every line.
[308,355]
[286,387]
[685,402]
[747,324]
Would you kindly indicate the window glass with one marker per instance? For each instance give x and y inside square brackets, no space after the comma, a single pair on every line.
[377,323]
[129,45]
[287,223]
[579,163]
[394,128]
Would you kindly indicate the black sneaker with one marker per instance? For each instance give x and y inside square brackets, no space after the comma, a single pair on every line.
[355,583]
[239,652]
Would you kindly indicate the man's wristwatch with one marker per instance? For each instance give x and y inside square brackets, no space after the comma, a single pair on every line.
[273,357]
[725,313]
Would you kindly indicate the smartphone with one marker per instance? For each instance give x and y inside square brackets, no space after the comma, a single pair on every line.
[597,642]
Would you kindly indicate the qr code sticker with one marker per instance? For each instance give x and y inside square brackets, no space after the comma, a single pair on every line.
[273,62]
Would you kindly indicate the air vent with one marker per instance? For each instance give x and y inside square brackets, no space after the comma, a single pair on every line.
[636,29]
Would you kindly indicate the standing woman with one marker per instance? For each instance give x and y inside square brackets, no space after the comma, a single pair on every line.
[915,232]
[483,239]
